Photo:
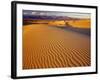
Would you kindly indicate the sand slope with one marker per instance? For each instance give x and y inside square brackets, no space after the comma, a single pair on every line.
[50,47]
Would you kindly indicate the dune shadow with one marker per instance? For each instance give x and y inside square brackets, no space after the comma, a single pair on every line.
[84,31]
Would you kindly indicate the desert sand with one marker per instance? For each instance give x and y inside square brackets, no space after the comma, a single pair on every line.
[46,46]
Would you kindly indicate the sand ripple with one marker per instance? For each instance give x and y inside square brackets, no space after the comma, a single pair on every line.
[50,47]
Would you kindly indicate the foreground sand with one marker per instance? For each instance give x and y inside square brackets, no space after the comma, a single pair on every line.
[50,47]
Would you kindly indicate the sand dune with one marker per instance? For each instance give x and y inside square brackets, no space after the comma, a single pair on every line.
[50,47]
[83,23]
[80,23]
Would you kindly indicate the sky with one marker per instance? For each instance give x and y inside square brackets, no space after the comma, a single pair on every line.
[53,13]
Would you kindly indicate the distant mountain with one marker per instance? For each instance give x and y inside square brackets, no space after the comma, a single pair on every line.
[47,17]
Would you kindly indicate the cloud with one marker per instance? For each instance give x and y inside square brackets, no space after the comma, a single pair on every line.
[53,13]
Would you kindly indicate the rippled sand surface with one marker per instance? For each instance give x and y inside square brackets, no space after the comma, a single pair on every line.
[51,47]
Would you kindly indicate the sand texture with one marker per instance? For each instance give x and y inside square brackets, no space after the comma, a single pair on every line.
[47,46]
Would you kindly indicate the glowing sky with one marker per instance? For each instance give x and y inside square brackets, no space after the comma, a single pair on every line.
[52,13]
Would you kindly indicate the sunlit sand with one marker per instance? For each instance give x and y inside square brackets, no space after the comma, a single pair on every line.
[47,46]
